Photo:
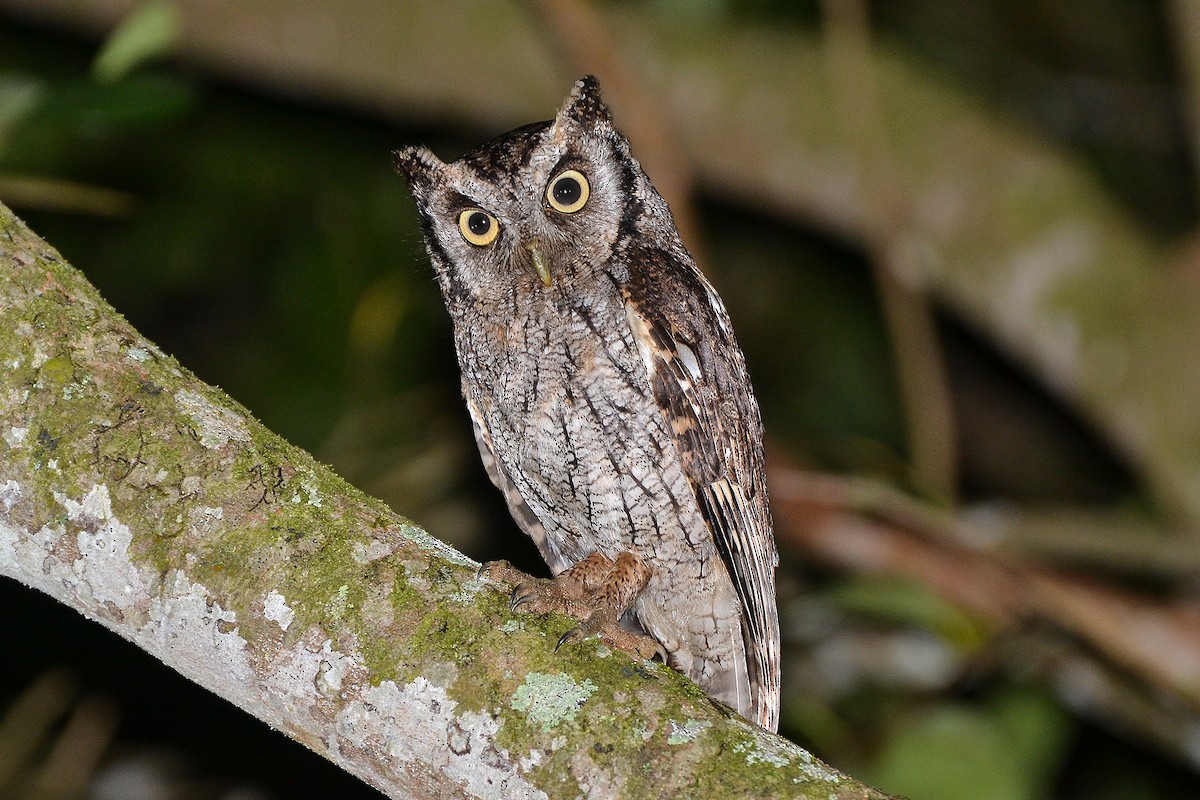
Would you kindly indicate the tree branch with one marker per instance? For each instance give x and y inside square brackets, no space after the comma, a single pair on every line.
[869,528]
[921,375]
[158,507]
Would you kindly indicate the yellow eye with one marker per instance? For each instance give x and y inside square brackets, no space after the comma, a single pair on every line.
[568,192]
[478,227]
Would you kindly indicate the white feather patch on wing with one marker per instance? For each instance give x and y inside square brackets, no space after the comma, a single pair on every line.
[690,362]
[641,335]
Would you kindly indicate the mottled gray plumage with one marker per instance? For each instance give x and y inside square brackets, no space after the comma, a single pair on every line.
[610,400]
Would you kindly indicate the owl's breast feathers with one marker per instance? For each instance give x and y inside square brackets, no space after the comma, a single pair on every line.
[698,377]
[584,455]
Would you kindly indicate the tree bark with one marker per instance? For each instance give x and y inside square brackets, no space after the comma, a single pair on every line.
[158,507]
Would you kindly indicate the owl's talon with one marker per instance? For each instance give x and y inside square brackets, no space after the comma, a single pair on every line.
[596,590]
[518,599]
[576,634]
[611,633]
[636,645]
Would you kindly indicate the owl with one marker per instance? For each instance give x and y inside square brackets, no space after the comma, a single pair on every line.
[609,398]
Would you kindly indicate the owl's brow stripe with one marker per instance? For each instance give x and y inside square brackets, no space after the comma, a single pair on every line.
[493,160]
[568,159]
[460,202]
[633,208]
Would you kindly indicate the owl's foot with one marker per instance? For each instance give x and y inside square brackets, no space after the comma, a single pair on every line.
[612,597]
[611,633]
[565,594]
[595,590]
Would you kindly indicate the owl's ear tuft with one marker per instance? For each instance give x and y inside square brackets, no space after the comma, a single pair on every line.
[584,106]
[416,164]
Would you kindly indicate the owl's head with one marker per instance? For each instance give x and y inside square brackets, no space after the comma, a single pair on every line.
[539,208]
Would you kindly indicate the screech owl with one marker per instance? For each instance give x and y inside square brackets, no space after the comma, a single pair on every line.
[609,397]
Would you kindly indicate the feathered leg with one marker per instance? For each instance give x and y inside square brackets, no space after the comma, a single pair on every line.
[595,590]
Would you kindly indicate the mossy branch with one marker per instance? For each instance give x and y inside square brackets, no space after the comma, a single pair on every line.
[160,508]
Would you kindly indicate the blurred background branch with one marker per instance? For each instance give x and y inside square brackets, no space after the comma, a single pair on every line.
[920,374]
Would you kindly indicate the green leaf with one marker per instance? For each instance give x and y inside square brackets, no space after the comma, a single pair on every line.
[1037,729]
[952,753]
[905,602]
[74,121]
[20,96]
[1005,749]
[148,32]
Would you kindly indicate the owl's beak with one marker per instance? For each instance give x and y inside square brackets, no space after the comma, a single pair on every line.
[540,265]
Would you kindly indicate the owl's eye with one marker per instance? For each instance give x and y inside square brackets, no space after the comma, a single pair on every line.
[478,227]
[568,192]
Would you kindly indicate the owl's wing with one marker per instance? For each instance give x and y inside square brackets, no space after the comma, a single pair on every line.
[520,510]
[698,376]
